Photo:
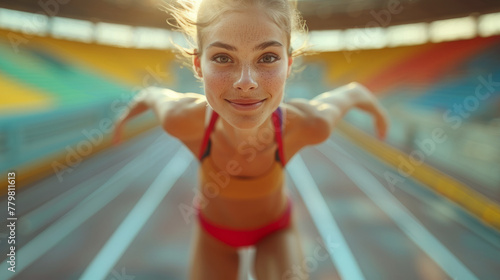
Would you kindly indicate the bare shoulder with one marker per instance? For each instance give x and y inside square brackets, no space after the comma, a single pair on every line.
[303,125]
[185,119]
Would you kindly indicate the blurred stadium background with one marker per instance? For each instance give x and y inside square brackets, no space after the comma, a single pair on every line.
[422,205]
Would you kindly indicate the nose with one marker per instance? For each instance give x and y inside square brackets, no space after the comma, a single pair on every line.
[246,80]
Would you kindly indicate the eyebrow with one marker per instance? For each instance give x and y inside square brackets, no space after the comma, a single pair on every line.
[222,45]
[267,44]
[261,46]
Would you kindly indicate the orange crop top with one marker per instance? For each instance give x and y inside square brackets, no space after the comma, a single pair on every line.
[239,187]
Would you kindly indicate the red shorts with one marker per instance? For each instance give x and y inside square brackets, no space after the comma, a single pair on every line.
[243,238]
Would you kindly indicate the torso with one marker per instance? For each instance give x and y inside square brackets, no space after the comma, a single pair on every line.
[253,212]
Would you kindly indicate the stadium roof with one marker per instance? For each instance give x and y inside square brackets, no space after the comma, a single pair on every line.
[319,14]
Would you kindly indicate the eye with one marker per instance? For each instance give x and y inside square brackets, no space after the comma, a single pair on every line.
[222,59]
[269,58]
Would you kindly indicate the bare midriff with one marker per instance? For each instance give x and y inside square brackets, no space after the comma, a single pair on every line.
[242,203]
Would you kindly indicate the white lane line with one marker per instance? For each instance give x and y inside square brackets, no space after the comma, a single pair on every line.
[428,197]
[51,236]
[398,213]
[42,215]
[121,239]
[88,166]
[341,255]
[246,263]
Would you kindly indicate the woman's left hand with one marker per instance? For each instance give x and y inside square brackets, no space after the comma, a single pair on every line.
[365,100]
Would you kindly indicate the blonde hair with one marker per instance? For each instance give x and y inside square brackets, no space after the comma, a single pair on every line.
[192,17]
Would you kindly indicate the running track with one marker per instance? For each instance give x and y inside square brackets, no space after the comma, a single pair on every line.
[116,216]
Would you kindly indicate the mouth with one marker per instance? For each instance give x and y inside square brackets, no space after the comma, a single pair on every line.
[246,104]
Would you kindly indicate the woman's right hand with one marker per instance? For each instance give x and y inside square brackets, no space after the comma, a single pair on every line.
[136,106]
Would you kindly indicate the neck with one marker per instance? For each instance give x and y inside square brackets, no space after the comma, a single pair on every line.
[258,137]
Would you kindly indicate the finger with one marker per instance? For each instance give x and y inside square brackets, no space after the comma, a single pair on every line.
[117,134]
[381,123]
[380,116]
[117,137]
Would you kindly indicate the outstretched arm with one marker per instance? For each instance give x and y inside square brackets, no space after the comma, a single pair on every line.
[334,104]
[172,109]
[320,115]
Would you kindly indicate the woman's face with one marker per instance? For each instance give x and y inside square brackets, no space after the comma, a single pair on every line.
[244,64]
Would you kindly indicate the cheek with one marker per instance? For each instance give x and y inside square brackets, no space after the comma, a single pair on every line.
[216,82]
[273,80]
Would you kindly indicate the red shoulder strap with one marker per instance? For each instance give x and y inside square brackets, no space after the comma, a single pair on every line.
[206,137]
[277,118]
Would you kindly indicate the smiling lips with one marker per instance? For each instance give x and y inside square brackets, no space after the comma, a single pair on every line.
[246,104]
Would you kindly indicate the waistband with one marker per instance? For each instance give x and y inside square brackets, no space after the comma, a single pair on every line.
[243,238]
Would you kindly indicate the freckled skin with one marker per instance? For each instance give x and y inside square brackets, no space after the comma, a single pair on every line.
[245,76]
